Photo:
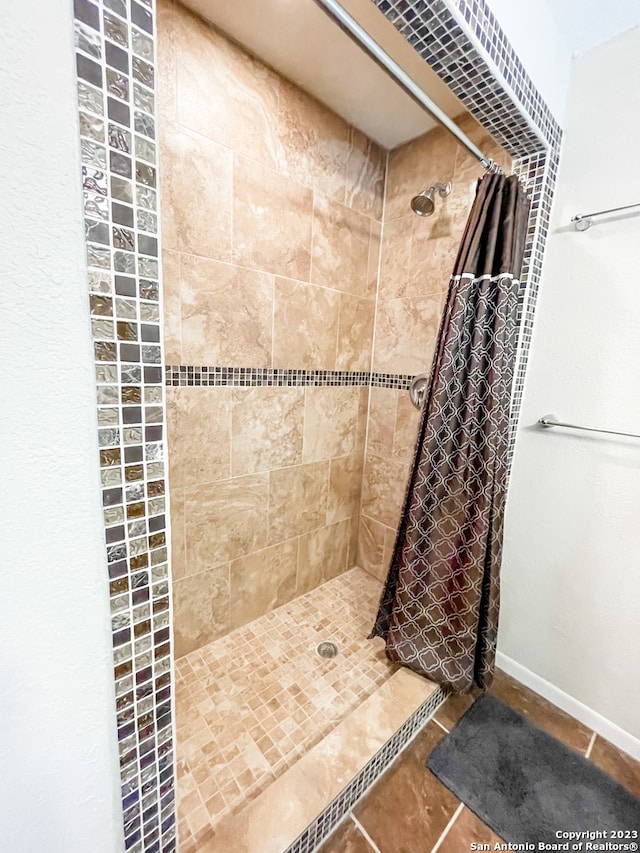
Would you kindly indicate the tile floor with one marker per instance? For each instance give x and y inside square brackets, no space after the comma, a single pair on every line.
[409,811]
[251,703]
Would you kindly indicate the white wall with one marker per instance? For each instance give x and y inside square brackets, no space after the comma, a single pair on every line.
[532,29]
[571,576]
[58,751]
[588,23]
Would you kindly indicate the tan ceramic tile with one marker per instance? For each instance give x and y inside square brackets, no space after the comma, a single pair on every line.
[322,555]
[271,221]
[200,608]
[541,712]
[196,193]
[345,486]
[262,581]
[355,336]
[617,764]
[178,542]
[340,247]
[227,314]
[468,829]
[371,547]
[198,434]
[365,175]
[375,239]
[331,422]
[347,838]
[171,307]
[395,257]
[225,520]
[406,333]
[415,166]
[298,500]
[314,142]
[223,93]
[166,64]
[383,488]
[267,428]
[305,326]
[408,789]
[406,430]
[455,706]
[382,420]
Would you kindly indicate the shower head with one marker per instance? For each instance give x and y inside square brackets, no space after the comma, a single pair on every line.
[423,204]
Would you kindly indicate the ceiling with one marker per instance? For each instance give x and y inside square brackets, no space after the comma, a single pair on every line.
[587,23]
[301,42]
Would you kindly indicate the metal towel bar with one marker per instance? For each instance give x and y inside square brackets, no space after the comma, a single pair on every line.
[552,421]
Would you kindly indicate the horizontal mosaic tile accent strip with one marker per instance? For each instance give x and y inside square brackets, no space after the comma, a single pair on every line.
[256,376]
[115,80]
[328,819]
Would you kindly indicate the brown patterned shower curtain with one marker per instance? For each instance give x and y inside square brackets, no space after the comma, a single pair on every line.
[439,610]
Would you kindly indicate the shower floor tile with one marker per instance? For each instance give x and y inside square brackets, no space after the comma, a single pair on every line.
[251,703]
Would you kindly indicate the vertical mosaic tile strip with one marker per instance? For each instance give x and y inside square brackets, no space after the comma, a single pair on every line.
[115,79]
[330,817]
[463,43]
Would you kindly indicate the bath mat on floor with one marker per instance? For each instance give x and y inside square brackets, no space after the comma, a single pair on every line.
[527,786]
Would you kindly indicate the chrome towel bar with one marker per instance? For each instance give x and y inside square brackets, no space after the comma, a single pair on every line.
[552,421]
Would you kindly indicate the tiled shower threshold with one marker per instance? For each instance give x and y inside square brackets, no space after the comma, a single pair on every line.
[260,700]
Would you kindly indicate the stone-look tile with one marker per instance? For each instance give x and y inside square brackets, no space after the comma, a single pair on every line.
[347,838]
[313,142]
[262,581]
[375,240]
[415,166]
[322,555]
[355,335]
[541,712]
[178,541]
[340,248]
[198,435]
[408,789]
[466,829]
[365,175]
[200,608]
[620,766]
[225,94]
[331,422]
[345,487]
[371,547]
[271,221]
[266,428]
[455,706]
[383,488]
[166,64]
[406,332]
[382,420]
[171,307]
[305,326]
[225,520]
[227,314]
[298,500]
[395,257]
[196,193]
[406,431]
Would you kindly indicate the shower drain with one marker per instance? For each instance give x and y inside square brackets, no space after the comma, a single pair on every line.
[327,650]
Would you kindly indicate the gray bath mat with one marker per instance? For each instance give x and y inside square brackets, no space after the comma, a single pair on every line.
[526,785]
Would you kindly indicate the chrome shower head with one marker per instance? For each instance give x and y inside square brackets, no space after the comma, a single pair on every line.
[423,204]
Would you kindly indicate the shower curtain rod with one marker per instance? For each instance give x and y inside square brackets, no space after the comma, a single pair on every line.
[353,29]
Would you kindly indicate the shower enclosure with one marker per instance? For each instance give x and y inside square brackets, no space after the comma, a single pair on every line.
[301,294]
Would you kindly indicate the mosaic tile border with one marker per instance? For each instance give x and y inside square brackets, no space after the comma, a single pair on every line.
[115,55]
[462,41]
[200,376]
[340,806]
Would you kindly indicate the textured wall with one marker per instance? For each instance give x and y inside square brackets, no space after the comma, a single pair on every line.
[271,222]
[570,579]
[58,747]
[417,258]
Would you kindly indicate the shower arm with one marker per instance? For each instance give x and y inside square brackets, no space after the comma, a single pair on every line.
[352,28]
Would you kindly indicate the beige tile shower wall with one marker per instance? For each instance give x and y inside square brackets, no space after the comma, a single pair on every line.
[417,257]
[271,209]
